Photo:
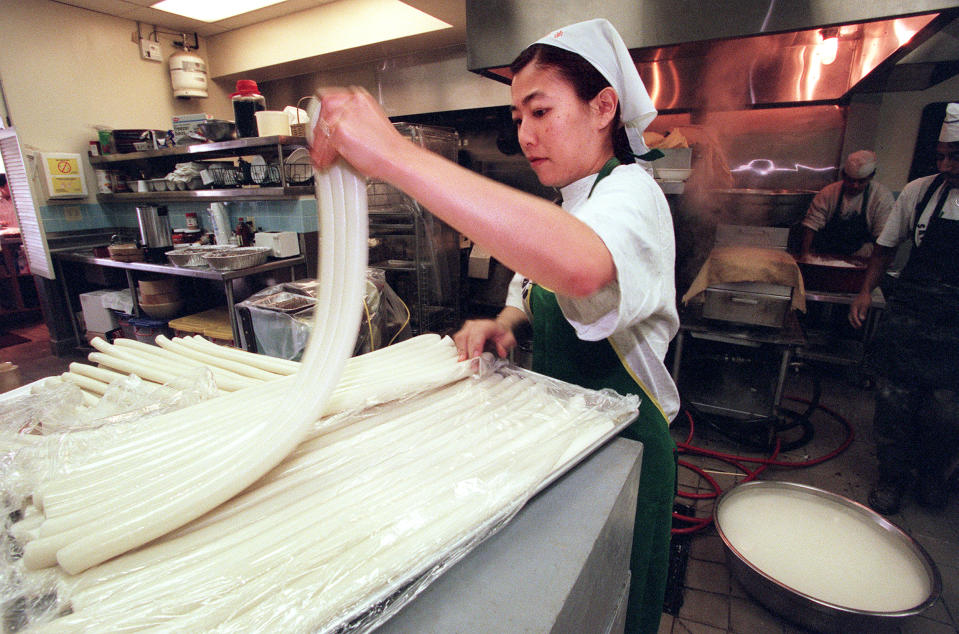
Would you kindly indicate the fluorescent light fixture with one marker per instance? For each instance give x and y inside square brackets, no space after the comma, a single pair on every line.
[212,10]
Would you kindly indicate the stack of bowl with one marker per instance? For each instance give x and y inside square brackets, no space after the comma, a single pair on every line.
[160,298]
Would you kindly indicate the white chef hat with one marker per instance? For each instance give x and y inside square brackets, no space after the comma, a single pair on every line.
[600,45]
[950,125]
[861,164]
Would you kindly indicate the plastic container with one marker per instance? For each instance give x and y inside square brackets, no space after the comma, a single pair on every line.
[247,101]
[146,330]
[272,123]
[126,328]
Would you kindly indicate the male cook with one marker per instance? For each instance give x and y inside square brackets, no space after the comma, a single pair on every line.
[915,351]
[847,216]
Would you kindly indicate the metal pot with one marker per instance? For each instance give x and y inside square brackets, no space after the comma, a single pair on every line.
[764,207]
[217,130]
[816,613]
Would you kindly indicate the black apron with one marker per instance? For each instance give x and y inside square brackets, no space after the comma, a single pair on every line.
[917,341]
[844,236]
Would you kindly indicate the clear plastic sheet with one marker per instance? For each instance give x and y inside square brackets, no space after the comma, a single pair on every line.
[282,327]
[51,404]
[66,433]
[356,521]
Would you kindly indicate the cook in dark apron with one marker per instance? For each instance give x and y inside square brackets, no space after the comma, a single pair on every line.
[915,351]
[559,353]
[844,236]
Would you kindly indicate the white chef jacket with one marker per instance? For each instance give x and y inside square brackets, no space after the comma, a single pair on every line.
[637,311]
[901,225]
[823,206]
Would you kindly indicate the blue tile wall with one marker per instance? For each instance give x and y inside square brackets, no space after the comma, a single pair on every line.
[270,215]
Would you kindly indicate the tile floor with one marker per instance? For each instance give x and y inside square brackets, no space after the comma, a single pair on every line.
[713,602]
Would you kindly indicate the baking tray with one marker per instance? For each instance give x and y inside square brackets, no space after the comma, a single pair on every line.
[238,258]
[192,257]
[383,604]
[285,302]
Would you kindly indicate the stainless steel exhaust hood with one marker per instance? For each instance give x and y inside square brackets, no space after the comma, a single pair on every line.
[721,55]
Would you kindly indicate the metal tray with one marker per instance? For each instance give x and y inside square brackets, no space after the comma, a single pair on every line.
[420,578]
[285,302]
[239,258]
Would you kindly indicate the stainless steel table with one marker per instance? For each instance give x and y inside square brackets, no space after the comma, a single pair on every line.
[822,342]
[738,393]
[560,565]
[130,268]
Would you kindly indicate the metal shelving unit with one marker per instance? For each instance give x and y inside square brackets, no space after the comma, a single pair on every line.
[163,161]
[418,251]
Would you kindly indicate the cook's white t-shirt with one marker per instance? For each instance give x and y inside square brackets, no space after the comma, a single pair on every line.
[902,225]
[637,311]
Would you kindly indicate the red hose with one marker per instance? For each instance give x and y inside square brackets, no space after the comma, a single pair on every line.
[696,523]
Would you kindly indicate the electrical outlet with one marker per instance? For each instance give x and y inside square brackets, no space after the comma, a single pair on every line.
[151,50]
[72,214]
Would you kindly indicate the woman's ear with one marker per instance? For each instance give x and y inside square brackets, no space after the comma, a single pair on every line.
[604,104]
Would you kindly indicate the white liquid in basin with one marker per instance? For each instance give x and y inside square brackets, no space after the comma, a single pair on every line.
[824,549]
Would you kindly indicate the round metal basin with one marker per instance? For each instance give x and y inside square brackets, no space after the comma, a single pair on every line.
[822,560]
[764,207]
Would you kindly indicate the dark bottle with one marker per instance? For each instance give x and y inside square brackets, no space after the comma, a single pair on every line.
[247,100]
[244,235]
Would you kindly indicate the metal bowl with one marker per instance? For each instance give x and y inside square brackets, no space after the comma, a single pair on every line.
[239,258]
[802,575]
[764,207]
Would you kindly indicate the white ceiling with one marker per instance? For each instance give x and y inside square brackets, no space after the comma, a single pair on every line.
[450,11]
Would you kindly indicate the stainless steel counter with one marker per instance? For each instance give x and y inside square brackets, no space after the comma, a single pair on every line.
[224,277]
[561,565]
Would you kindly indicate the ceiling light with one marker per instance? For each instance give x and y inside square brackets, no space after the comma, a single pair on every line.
[212,10]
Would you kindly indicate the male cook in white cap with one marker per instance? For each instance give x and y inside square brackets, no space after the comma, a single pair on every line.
[847,216]
[915,351]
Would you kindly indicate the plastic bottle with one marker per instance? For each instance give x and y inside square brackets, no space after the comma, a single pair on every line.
[219,219]
[247,100]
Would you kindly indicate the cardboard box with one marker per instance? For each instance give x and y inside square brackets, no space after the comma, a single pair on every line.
[184,124]
[479,263]
[96,317]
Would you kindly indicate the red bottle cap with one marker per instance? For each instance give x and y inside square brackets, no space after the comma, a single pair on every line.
[246,87]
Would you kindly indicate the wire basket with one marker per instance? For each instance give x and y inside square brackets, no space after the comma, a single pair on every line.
[224,177]
[265,175]
[298,173]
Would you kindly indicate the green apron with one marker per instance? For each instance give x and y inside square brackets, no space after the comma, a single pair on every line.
[559,353]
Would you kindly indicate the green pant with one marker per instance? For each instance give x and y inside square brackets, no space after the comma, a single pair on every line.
[649,560]
[559,353]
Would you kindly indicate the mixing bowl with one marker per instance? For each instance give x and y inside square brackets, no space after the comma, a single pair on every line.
[822,560]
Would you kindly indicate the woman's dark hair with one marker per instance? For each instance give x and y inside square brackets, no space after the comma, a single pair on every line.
[585,79]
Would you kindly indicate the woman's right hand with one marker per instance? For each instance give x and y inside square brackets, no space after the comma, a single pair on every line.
[472,338]
[353,125]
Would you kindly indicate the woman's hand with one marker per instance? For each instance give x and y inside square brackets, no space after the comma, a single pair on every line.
[353,125]
[472,338]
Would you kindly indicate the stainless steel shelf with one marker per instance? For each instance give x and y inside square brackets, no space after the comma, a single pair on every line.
[244,193]
[165,158]
[235,147]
